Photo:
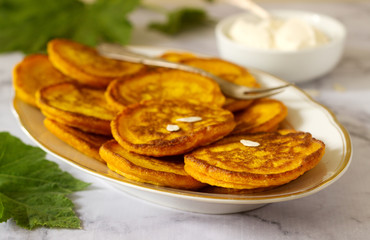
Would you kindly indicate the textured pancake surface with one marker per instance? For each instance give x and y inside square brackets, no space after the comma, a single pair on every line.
[142,128]
[164,84]
[275,159]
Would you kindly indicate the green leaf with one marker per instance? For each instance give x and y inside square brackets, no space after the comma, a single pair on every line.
[105,21]
[33,190]
[27,26]
[180,20]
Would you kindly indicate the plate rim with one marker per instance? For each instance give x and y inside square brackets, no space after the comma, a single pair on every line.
[210,197]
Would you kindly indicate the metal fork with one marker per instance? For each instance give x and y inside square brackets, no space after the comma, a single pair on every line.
[230,89]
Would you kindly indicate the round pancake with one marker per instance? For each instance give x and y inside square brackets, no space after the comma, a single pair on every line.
[84,64]
[224,69]
[32,73]
[270,159]
[86,143]
[142,128]
[77,106]
[264,115]
[167,172]
[162,83]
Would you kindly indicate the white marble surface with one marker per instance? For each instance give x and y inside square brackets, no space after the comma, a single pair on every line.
[341,211]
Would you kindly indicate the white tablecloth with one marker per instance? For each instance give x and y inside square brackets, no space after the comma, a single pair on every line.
[341,211]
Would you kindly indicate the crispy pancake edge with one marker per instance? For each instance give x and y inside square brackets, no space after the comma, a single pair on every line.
[73,119]
[31,61]
[69,69]
[74,138]
[268,126]
[121,165]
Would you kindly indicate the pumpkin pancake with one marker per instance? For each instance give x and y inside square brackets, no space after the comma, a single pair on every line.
[177,56]
[84,64]
[162,83]
[224,69]
[170,127]
[167,171]
[255,160]
[87,143]
[235,105]
[77,106]
[32,73]
[264,115]
[230,72]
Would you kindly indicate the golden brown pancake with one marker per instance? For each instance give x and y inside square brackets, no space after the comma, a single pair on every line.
[167,171]
[164,83]
[86,143]
[235,105]
[145,128]
[77,106]
[264,115]
[224,69]
[32,73]
[177,56]
[264,160]
[84,64]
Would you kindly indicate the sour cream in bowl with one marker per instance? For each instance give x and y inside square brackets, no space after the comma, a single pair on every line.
[297,46]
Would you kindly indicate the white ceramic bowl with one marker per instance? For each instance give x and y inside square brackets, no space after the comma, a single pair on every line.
[293,66]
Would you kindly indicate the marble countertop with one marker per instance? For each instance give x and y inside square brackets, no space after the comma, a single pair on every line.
[340,211]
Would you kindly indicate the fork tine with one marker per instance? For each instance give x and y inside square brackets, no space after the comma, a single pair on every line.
[266,90]
[259,95]
[228,88]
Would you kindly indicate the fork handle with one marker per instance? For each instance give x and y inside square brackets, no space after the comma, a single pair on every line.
[230,89]
[118,52]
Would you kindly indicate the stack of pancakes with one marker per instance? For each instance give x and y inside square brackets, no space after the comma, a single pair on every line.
[163,126]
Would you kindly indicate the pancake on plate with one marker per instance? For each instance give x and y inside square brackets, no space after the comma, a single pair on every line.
[170,127]
[229,71]
[77,106]
[168,172]
[163,83]
[264,115]
[257,160]
[84,64]
[86,143]
[32,73]
[176,56]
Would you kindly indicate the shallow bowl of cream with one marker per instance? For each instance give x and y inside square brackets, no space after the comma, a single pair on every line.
[295,66]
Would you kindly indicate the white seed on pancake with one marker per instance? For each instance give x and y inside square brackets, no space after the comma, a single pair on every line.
[189,119]
[172,128]
[249,143]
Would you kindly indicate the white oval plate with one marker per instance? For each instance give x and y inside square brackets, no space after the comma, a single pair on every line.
[303,114]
